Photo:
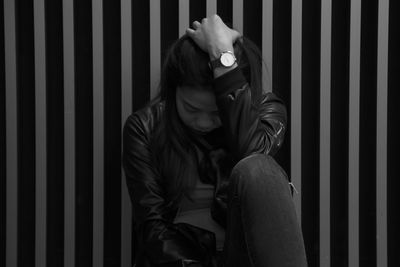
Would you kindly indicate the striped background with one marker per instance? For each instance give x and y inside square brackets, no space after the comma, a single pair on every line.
[72,71]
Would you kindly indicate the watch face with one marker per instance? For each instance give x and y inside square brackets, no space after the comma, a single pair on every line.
[227,59]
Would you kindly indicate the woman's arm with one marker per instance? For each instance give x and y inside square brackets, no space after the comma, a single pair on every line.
[159,241]
[250,127]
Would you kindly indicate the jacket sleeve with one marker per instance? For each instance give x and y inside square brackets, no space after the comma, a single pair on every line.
[250,128]
[160,242]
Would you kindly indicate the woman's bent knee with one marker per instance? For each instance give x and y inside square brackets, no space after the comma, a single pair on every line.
[258,166]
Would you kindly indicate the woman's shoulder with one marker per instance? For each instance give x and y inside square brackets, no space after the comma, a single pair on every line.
[147,118]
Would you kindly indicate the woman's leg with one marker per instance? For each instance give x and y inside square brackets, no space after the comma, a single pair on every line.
[262,229]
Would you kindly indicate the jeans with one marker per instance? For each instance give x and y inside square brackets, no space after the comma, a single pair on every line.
[262,226]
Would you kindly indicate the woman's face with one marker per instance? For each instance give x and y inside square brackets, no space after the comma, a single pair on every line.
[197,108]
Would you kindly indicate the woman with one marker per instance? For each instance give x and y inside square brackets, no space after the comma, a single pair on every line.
[204,187]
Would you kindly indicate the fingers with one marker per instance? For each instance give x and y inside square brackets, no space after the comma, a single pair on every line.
[190,32]
[196,24]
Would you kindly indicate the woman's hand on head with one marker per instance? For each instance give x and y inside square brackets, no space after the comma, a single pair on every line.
[213,36]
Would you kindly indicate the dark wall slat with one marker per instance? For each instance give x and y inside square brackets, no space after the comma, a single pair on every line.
[339,134]
[84,132]
[140,53]
[169,25]
[310,128]
[197,10]
[55,133]
[252,21]
[393,145]
[282,68]
[112,136]
[224,10]
[2,142]
[367,168]
[26,132]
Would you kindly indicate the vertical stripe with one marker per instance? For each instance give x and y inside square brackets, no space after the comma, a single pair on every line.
[126,110]
[310,126]
[381,135]
[26,131]
[325,133]
[267,34]
[211,7]
[84,139]
[141,48]
[112,133]
[183,16]
[393,133]
[69,134]
[282,70]
[155,46]
[252,21]
[224,10]
[55,133]
[296,103]
[98,133]
[367,133]
[237,15]
[11,133]
[169,25]
[197,10]
[339,134]
[40,119]
[3,186]
[354,114]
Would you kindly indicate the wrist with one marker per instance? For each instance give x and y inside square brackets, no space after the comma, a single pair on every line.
[223,63]
[221,70]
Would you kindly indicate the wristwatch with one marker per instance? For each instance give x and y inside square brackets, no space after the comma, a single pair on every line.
[226,60]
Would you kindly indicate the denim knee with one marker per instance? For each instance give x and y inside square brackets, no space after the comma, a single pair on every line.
[258,169]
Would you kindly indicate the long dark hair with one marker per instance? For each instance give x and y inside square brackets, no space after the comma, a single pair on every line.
[186,64]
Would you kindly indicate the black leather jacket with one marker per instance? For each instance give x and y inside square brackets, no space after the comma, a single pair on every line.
[248,129]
